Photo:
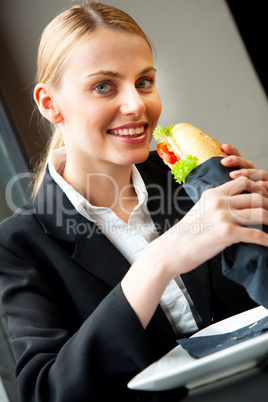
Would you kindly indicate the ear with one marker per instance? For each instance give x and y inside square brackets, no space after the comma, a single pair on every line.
[46,104]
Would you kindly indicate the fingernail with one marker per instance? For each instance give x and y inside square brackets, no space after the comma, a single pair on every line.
[236,173]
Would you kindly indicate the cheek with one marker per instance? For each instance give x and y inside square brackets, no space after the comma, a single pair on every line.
[100,114]
[159,107]
[155,108]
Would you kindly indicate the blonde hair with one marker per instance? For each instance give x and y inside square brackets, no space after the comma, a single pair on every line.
[59,39]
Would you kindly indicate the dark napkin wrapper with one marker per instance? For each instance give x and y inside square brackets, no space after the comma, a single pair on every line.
[244,263]
[201,346]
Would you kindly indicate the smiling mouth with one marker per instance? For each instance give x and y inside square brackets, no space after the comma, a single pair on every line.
[128,132]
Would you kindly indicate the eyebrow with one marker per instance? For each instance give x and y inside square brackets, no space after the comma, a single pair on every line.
[118,75]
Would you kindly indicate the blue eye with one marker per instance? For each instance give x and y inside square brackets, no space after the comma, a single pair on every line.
[103,87]
[145,83]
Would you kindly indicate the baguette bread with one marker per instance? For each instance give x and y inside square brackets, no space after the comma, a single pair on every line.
[183,147]
[190,140]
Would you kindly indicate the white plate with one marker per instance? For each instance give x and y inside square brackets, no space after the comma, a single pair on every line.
[178,368]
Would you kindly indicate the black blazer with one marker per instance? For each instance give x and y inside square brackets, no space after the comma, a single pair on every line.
[74,335]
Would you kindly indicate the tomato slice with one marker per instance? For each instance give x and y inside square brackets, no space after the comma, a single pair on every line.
[166,154]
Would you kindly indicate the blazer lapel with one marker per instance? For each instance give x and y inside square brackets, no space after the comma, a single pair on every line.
[88,246]
[94,252]
[109,265]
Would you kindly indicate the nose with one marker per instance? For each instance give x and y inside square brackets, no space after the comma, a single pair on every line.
[132,102]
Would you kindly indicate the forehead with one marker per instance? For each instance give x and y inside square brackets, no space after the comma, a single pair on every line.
[107,48]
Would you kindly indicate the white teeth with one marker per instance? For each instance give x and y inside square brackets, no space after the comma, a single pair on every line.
[130,131]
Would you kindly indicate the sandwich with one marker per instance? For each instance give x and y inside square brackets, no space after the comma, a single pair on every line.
[183,147]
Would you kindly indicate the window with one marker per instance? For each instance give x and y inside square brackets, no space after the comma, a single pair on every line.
[14,180]
[14,174]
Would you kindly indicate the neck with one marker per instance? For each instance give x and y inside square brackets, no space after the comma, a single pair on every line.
[109,187]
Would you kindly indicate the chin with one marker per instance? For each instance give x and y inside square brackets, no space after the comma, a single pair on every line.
[137,157]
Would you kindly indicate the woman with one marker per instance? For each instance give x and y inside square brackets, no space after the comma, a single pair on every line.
[87,283]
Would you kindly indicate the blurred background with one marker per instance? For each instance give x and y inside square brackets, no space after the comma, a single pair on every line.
[212,72]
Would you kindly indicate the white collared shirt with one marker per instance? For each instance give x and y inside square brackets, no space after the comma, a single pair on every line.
[131,239]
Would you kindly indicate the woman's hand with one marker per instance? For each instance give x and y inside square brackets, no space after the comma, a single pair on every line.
[244,167]
[219,219]
[235,159]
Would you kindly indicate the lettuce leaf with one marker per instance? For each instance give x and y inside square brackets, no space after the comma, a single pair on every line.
[183,167]
[161,134]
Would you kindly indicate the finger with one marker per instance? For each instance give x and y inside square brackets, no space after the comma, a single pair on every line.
[239,185]
[230,150]
[250,216]
[245,201]
[251,235]
[253,174]
[242,184]
[264,186]
[237,161]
